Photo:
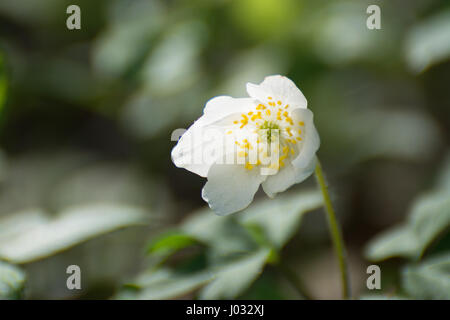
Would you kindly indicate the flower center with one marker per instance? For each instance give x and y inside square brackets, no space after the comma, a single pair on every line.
[277,136]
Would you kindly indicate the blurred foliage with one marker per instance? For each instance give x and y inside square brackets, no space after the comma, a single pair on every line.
[233,254]
[430,279]
[429,217]
[428,223]
[86,118]
[41,237]
[12,280]
[429,42]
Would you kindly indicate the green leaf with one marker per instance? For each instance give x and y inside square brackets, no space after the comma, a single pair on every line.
[21,222]
[164,284]
[430,279]
[395,242]
[170,243]
[429,42]
[267,222]
[233,278]
[238,246]
[74,225]
[223,281]
[222,234]
[280,218]
[12,281]
[430,216]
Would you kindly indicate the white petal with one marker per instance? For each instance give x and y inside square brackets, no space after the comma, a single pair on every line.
[192,150]
[311,140]
[286,177]
[231,188]
[280,88]
[188,153]
[223,106]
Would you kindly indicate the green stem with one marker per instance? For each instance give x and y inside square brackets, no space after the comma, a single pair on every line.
[335,231]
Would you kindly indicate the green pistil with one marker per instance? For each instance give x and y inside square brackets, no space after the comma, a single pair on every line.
[269,126]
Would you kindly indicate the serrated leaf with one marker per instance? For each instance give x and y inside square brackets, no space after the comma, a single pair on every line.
[430,279]
[12,281]
[164,284]
[235,277]
[71,227]
[280,218]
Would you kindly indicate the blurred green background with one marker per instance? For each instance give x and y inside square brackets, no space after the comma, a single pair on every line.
[86,119]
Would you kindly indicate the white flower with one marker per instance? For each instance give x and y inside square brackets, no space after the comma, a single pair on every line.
[240,143]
